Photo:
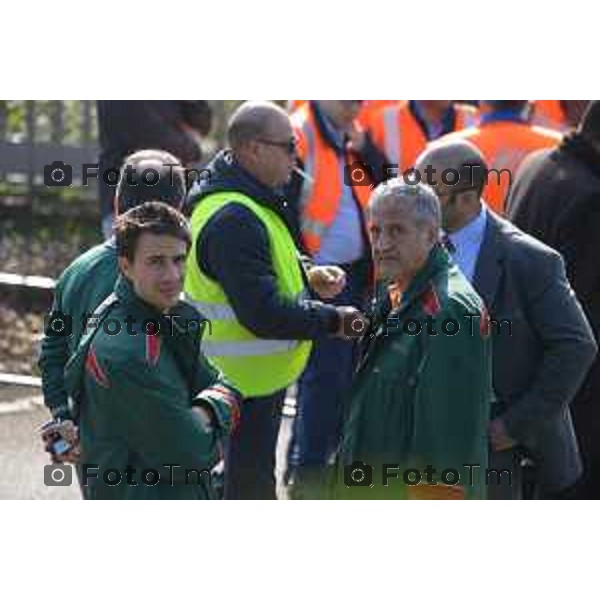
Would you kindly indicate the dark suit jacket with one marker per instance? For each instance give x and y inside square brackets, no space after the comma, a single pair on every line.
[556,198]
[538,369]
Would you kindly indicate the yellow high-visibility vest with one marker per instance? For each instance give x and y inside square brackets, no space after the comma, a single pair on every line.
[257,366]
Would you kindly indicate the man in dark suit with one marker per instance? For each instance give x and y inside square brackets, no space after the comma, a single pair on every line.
[556,198]
[542,352]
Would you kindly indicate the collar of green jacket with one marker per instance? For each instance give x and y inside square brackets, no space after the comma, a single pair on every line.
[180,331]
[181,320]
[420,287]
[127,297]
[438,261]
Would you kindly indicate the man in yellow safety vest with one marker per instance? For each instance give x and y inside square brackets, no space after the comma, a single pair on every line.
[245,275]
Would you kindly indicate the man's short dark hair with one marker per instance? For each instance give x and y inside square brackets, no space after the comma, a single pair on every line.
[169,186]
[157,218]
[457,155]
[245,130]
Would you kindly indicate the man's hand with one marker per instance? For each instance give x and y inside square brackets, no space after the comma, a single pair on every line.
[59,434]
[499,437]
[72,456]
[327,281]
[222,405]
[353,324]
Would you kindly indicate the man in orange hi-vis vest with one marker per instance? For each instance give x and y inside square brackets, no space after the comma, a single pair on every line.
[549,113]
[364,114]
[330,190]
[402,130]
[369,108]
[505,137]
[561,115]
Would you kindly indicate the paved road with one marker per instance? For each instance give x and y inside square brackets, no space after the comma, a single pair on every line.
[22,459]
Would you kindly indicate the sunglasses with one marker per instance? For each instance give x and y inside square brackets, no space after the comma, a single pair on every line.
[290,146]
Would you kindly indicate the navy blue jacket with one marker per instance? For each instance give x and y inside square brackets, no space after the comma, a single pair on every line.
[233,249]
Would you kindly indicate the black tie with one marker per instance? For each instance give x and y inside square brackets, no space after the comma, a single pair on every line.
[447,243]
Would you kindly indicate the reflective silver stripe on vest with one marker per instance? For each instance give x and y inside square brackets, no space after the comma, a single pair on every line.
[309,165]
[391,118]
[224,312]
[214,312]
[248,347]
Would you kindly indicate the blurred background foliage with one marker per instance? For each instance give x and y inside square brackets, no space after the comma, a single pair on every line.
[46,112]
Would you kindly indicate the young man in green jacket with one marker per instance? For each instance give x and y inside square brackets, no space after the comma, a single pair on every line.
[416,425]
[153,412]
[91,277]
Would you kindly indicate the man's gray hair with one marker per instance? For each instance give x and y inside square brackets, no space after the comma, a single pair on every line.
[420,199]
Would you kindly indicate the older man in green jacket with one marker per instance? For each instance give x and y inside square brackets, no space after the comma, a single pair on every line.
[416,425]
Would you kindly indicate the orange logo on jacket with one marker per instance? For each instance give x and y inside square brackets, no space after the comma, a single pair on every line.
[94,370]
[484,323]
[152,344]
[431,301]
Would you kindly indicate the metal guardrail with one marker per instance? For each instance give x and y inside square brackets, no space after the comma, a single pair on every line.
[23,380]
[28,292]
[32,284]
[27,281]
[14,283]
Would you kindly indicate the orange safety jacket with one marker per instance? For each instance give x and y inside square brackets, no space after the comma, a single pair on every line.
[504,145]
[294,105]
[398,135]
[549,113]
[324,179]
[367,108]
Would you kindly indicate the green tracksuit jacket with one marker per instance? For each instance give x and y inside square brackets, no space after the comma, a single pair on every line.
[83,285]
[136,393]
[422,399]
